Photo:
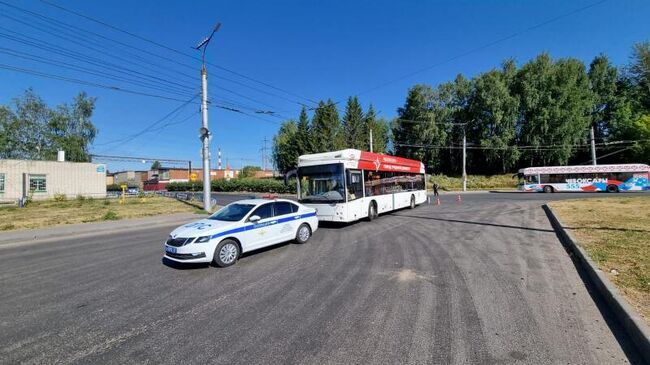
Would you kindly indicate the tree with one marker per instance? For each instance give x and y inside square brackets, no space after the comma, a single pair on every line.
[413,119]
[249,171]
[303,134]
[639,72]
[603,78]
[353,125]
[285,151]
[556,106]
[155,165]
[380,132]
[494,114]
[326,128]
[31,130]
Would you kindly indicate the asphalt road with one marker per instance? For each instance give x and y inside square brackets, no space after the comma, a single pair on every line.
[481,281]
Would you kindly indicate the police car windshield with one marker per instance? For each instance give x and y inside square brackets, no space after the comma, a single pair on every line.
[232,212]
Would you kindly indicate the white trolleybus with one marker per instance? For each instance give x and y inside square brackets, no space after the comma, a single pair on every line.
[610,178]
[348,185]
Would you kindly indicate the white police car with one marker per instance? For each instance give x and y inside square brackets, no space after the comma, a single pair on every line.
[239,227]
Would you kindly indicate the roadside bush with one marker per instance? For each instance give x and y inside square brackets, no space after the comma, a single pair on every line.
[116,187]
[60,197]
[110,216]
[236,185]
[474,182]
[80,198]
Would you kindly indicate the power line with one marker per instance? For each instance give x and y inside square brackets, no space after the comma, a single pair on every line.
[19,38]
[523,147]
[83,82]
[86,41]
[70,66]
[174,50]
[482,47]
[148,128]
[430,122]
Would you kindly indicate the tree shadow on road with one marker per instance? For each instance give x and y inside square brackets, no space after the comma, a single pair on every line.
[477,223]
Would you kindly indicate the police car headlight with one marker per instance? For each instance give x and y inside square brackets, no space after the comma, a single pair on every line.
[202,239]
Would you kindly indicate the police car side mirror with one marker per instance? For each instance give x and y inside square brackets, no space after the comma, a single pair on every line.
[254,218]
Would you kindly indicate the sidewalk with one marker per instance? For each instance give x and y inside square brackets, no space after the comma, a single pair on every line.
[10,238]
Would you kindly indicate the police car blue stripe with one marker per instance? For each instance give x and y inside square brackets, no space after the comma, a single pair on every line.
[261,225]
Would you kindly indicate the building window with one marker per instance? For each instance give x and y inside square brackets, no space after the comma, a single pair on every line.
[2,183]
[37,183]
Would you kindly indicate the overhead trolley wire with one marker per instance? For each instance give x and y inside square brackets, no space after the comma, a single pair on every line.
[31,41]
[85,42]
[55,26]
[481,47]
[76,13]
[70,66]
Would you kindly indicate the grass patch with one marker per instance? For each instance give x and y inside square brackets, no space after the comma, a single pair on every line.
[474,182]
[39,214]
[614,232]
[110,216]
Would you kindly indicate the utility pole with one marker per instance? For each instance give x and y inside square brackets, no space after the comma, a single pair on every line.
[464,160]
[204,131]
[593,145]
[264,153]
[370,139]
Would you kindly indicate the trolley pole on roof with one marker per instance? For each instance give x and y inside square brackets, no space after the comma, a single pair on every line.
[204,131]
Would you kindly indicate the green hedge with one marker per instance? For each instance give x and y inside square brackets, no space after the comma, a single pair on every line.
[246,184]
[117,187]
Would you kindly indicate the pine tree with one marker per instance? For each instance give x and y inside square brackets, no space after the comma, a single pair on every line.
[326,128]
[303,138]
[353,124]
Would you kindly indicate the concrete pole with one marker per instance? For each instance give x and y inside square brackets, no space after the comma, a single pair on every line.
[206,140]
[593,145]
[370,139]
[464,160]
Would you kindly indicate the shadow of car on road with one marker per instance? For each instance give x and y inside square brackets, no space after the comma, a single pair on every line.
[193,266]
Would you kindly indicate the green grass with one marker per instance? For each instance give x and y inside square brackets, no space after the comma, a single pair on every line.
[614,232]
[474,182]
[39,214]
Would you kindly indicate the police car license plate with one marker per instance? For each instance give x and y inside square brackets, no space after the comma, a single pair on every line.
[170,249]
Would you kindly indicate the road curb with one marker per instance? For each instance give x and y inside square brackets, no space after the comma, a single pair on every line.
[629,319]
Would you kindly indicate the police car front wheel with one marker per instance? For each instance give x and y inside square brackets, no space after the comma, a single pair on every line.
[303,234]
[226,253]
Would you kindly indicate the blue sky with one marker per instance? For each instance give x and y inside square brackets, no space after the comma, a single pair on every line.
[313,49]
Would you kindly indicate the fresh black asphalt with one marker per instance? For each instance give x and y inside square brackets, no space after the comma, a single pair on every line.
[480,281]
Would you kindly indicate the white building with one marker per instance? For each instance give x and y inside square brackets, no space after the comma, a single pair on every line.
[44,179]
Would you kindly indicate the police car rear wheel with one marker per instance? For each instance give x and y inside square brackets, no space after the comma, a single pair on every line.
[303,234]
[226,253]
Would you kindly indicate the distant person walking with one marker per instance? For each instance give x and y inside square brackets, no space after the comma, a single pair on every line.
[435,189]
